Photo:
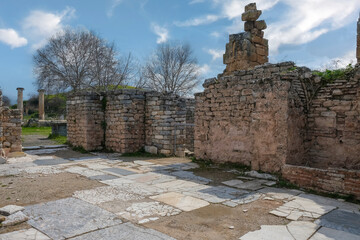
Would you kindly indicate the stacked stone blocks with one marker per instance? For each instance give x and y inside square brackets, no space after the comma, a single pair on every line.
[248,49]
[10,129]
[85,120]
[130,120]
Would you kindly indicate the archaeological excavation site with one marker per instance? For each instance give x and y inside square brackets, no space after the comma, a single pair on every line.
[264,151]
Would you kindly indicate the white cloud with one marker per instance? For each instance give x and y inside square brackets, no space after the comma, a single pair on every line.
[40,25]
[196,1]
[162,32]
[204,69]
[301,21]
[114,4]
[198,21]
[234,8]
[215,34]
[304,22]
[10,37]
[215,53]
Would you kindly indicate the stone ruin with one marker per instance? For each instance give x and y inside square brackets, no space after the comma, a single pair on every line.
[273,117]
[358,42]
[129,120]
[10,130]
[280,117]
[248,49]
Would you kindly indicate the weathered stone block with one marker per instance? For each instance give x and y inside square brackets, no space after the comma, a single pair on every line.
[251,15]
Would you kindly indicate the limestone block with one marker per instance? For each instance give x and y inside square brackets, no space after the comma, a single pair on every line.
[260,25]
[151,149]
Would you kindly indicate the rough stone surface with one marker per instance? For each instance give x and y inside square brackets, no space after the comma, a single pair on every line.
[332,234]
[26,234]
[302,207]
[14,219]
[10,130]
[178,200]
[248,49]
[341,220]
[52,218]
[126,231]
[148,210]
[10,209]
[105,194]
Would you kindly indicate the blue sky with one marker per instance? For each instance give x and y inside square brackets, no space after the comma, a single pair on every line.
[313,33]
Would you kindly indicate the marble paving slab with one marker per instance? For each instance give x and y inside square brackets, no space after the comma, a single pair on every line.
[69,217]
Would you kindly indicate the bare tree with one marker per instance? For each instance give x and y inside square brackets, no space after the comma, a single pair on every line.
[6,101]
[78,59]
[172,69]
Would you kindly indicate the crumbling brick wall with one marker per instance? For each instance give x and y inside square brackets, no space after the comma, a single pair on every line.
[10,129]
[132,120]
[325,180]
[244,118]
[333,131]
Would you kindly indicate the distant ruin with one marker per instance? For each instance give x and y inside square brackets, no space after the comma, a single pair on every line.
[281,118]
[248,49]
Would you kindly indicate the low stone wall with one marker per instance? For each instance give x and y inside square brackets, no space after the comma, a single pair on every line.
[326,180]
[124,117]
[85,120]
[10,129]
[132,120]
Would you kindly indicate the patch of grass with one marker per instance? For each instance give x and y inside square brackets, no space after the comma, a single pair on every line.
[203,163]
[328,76]
[46,131]
[237,166]
[79,149]
[57,138]
[142,153]
[282,183]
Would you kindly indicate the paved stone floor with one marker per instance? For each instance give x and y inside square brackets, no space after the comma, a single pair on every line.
[139,191]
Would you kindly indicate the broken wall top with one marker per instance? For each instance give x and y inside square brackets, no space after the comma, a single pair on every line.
[247,49]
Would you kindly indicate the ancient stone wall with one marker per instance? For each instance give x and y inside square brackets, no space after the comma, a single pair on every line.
[165,123]
[85,120]
[324,180]
[132,119]
[247,49]
[190,122]
[333,130]
[125,128]
[245,117]
[10,129]
[358,42]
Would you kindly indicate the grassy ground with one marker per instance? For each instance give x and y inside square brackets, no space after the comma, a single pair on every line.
[46,131]
[58,139]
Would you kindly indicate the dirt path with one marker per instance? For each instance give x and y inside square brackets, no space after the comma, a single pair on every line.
[37,140]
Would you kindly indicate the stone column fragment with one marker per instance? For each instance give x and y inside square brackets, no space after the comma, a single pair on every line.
[41,104]
[358,42]
[20,104]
